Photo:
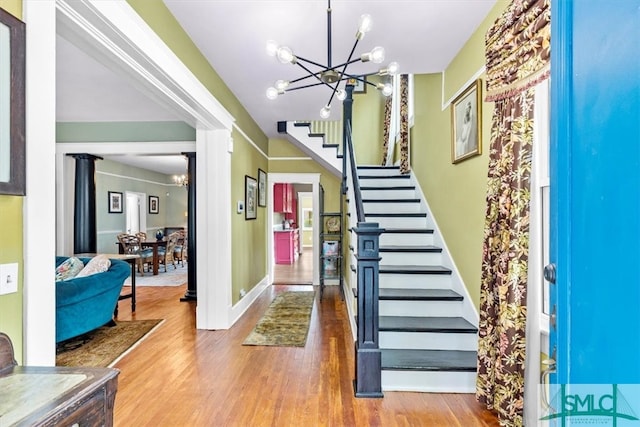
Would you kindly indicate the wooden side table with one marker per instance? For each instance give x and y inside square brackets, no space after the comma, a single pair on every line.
[52,396]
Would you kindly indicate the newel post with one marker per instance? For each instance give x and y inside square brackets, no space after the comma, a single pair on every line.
[368,382]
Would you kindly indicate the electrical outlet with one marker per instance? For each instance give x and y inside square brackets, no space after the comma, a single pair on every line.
[8,278]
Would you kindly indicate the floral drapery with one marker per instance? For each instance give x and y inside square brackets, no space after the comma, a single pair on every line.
[404,124]
[517,55]
[386,129]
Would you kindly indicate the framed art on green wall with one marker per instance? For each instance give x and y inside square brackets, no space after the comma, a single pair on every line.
[115,202]
[154,204]
[466,123]
[262,188]
[250,197]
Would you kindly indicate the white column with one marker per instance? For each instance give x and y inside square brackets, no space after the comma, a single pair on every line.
[39,297]
[213,222]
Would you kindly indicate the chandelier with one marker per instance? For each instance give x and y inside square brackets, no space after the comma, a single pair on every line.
[331,75]
[181,180]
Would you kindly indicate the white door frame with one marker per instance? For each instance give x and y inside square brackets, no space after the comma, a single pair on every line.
[293,178]
[116,36]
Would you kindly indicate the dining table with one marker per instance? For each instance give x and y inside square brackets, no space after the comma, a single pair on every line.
[153,244]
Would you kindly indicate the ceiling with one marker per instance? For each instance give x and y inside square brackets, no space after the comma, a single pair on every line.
[423,36]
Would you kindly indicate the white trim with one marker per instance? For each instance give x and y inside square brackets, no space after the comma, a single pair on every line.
[38,295]
[473,78]
[146,147]
[110,232]
[115,35]
[236,127]
[130,178]
[298,178]
[245,302]
[287,159]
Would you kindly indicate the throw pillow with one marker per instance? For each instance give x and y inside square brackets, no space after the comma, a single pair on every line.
[68,269]
[98,264]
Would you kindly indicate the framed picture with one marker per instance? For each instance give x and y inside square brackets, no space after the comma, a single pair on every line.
[154,204]
[466,123]
[12,105]
[358,86]
[115,202]
[250,197]
[262,188]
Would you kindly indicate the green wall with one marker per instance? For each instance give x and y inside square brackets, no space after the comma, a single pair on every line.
[11,247]
[368,116]
[113,176]
[456,193]
[249,243]
[124,131]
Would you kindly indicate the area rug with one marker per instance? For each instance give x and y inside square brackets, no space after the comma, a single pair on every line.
[104,346]
[286,321]
[172,277]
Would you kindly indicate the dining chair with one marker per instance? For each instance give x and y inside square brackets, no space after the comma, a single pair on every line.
[131,245]
[172,240]
[180,248]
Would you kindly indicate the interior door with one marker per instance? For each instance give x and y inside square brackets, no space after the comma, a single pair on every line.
[135,218]
[595,205]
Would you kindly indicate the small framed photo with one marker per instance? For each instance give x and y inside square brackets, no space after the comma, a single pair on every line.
[359,86]
[154,204]
[262,188]
[250,197]
[466,123]
[115,202]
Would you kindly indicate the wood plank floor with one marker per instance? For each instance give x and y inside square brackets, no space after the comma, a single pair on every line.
[180,376]
[300,272]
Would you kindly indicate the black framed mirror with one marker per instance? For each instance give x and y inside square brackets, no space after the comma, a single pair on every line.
[12,105]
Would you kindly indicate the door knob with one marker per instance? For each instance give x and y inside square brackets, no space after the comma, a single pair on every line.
[550,273]
[550,364]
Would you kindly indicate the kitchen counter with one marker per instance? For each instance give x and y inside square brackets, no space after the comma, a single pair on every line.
[286,245]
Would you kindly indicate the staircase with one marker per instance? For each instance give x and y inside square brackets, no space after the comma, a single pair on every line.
[427,323]
[313,144]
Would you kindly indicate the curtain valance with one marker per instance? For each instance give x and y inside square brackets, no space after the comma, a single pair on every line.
[518,48]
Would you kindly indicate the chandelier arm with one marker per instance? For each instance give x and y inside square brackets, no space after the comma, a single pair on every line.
[299,79]
[324,67]
[353,61]
[329,33]
[306,86]
[346,64]
[311,73]
[360,78]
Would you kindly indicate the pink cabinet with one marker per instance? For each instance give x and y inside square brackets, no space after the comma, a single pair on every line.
[283,198]
[286,245]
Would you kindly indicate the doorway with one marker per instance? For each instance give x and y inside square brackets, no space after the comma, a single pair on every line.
[135,204]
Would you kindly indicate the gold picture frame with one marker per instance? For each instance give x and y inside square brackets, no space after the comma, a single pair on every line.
[466,123]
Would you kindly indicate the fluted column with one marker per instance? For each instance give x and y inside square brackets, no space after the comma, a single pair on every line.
[191,294]
[84,210]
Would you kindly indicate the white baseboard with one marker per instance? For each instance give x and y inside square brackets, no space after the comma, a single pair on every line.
[241,306]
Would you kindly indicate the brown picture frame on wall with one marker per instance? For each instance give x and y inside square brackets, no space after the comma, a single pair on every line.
[12,106]
[466,123]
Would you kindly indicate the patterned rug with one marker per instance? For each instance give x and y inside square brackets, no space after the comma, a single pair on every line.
[106,345]
[286,321]
[172,277]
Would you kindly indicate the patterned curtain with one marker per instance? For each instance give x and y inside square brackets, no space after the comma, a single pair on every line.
[404,124]
[385,132]
[517,55]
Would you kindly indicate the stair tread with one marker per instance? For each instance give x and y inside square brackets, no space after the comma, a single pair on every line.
[396,214]
[429,360]
[425,324]
[394,187]
[392,294]
[408,230]
[414,269]
[376,167]
[404,248]
[384,176]
[390,200]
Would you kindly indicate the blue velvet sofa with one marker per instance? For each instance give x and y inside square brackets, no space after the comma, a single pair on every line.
[86,303]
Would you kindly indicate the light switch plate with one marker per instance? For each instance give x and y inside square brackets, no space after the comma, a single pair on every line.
[8,278]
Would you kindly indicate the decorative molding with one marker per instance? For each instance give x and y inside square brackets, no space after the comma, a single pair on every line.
[236,127]
[130,178]
[245,302]
[473,78]
[288,159]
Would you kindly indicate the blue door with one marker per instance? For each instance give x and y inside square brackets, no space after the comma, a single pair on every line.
[595,194]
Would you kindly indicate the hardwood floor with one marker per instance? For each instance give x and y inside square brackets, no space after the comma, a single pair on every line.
[300,272]
[180,376]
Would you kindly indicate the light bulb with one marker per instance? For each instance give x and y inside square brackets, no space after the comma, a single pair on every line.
[325,111]
[387,89]
[272,47]
[341,94]
[285,55]
[281,85]
[366,23]
[272,93]
[393,68]
[377,55]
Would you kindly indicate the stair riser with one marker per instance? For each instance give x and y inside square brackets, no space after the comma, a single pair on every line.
[388,194]
[403,239]
[415,281]
[429,381]
[384,182]
[312,146]
[399,222]
[379,172]
[420,308]
[429,341]
[411,258]
[412,207]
